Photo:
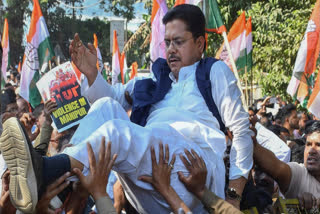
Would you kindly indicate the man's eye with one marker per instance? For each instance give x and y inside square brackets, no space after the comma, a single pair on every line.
[167,43]
[178,42]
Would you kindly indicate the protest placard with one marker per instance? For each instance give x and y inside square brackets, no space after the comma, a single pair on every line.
[62,86]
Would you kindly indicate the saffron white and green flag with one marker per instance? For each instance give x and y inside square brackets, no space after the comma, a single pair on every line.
[5,52]
[302,85]
[237,41]
[37,54]
[214,23]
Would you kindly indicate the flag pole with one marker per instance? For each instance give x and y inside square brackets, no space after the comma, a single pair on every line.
[235,71]
[246,79]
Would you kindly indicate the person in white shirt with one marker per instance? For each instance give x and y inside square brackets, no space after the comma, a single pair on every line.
[181,119]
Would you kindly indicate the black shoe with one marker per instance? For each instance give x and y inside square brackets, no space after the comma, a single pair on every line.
[25,166]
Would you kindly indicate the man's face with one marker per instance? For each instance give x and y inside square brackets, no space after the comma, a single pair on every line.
[181,48]
[294,120]
[302,121]
[251,113]
[312,153]
[22,106]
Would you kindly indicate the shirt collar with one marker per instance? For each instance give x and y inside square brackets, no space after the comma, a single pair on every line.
[184,72]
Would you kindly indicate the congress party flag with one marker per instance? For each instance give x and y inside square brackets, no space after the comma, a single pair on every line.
[116,68]
[99,61]
[302,85]
[237,41]
[157,46]
[36,56]
[214,21]
[5,50]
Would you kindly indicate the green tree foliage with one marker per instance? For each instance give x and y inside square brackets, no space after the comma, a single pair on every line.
[278,28]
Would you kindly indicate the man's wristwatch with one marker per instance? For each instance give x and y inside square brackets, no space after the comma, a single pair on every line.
[232,194]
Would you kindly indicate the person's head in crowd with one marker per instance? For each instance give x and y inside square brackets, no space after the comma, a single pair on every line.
[13,76]
[184,36]
[290,118]
[251,112]
[109,80]
[23,106]
[261,108]
[264,120]
[278,118]
[262,180]
[9,105]
[39,114]
[8,85]
[59,140]
[312,149]
[303,118]
[297,150]
[280,131]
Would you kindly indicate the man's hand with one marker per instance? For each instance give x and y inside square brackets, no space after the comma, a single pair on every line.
[52,190]
[84,58]
[161,171]
[196,181]
[160,179]
[96,182]
[307,201]
[5,203]
[28,120]
[49,107]
[119,197]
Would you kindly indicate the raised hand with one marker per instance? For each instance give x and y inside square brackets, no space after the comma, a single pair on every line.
[84,58]
[97,180]
[49,107]
[161,171]
[52,190]
[196,181]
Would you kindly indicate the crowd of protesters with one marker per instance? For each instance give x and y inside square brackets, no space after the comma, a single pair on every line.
[286,155]
[270,177]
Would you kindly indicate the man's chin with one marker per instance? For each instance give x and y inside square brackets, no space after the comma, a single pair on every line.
[313,169]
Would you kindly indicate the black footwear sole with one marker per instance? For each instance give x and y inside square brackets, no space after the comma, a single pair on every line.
[15,150]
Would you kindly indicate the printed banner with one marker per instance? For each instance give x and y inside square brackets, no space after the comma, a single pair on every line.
[61,85]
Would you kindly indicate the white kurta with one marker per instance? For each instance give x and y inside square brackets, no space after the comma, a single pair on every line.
[182,120]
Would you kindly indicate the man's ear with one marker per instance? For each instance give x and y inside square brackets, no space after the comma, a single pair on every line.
[201,43]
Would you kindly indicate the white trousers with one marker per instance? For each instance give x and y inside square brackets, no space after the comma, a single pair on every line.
[132,144]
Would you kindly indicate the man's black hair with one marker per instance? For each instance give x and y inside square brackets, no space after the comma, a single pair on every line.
[277,129]
[286,112]
[38,110]
[7,85]
[313,126]
[7,97]
[191,15]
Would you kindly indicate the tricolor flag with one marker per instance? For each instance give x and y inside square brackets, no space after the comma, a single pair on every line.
[214,21]
[5,50]
[237,40]
[36,56]
[99,61]
[124,68]
[194,2]
[134,70]
[157,46]
[302,86]
[116,68]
